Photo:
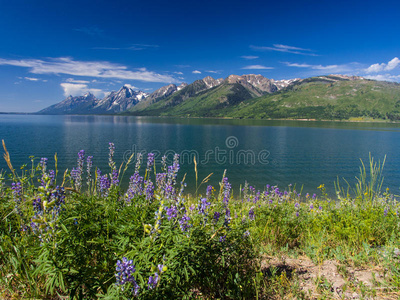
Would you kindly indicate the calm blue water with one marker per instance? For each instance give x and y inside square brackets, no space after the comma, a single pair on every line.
[261,152]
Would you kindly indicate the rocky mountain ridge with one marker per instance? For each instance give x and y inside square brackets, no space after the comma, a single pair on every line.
[207,94]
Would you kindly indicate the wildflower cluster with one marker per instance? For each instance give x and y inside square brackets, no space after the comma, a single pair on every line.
[77,172]
[111,163]
[103,184]
[125,274]
[46,209]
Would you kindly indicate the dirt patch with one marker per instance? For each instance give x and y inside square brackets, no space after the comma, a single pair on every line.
[329,280]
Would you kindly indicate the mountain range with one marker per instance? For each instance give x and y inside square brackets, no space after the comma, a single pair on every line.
[127,99]
[114,102]
[249,96]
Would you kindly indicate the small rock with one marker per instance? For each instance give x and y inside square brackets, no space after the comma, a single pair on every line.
[396,252]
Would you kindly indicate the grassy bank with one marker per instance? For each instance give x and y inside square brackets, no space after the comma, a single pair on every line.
[86,238]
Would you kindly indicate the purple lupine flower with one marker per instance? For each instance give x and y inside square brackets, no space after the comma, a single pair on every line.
[227,213]
[43,167]
[311,206]
[81,158]
[58,196]
[297,213]
[169,191]
[111,161]
[226,190]
[204,204]
[245,189]
[139,158]
[268,186]
[153,280]
[125,271]
[43,164]
[89,164]
[103,184]
[320,207]
[171,212]
[314,196]
[246,233]
[161,181]
[164,163]
[173,170]
[16,190]
[385,212]
[160,268]
[222,238]
[216,216]
[257,197]
[252,189]
[76,174]
[251,213]
[46,215]
[135,288]
[135,186]
[52,176]
[209,192]
[183,185]
[115,180]
[150,161]
[297,205]
[149,192]
[37,204]
[184,223]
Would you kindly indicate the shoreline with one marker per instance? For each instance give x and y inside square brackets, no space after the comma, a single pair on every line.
[380,121]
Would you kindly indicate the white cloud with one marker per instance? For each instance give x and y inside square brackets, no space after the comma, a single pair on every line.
[257,67]
[286,49]
[31,78]
[249,57]
[34,79]
[314,67]
[375,68]
[99,69]
[350,68]
[130,86]
[72,80]
[78,89]
[392,64]
[384,77]
[179,73]
[196,72]
[214,72]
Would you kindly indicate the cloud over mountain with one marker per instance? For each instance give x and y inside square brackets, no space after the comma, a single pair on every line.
[100,69]
[391,65]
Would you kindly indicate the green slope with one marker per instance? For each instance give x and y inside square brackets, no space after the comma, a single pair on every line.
[324,97]
[316,98]
[190,102]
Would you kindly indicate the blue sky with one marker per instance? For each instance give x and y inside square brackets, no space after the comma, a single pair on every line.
[50,49]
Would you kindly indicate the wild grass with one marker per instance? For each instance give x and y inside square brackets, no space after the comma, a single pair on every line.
[86,238]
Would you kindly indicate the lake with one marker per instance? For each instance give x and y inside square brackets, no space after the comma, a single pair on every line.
[262,152]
